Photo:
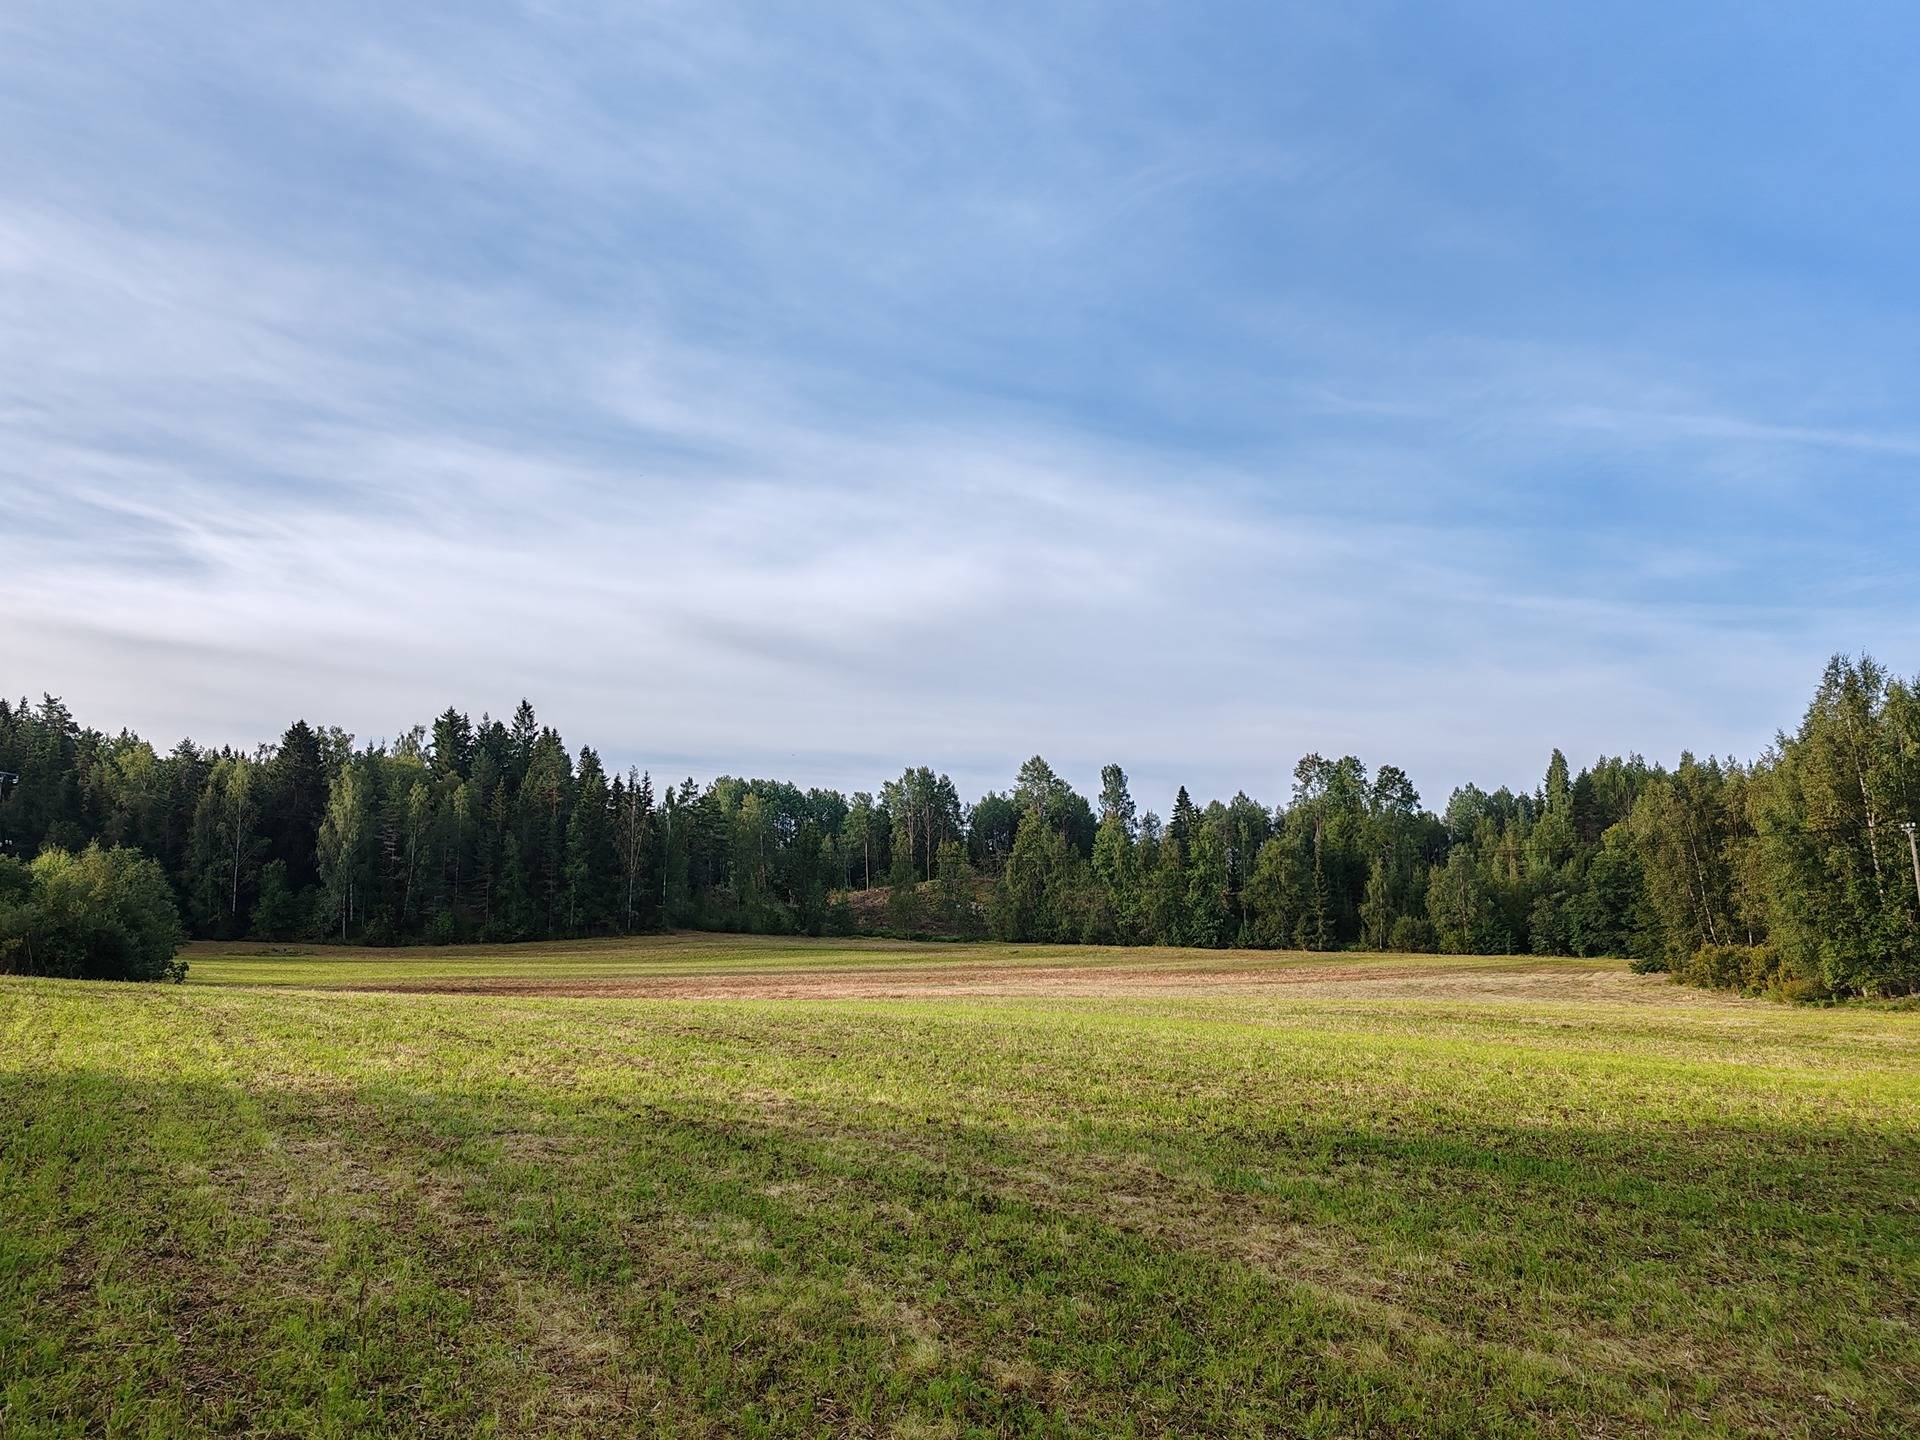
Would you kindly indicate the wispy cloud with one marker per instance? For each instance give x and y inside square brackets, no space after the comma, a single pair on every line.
[879,385]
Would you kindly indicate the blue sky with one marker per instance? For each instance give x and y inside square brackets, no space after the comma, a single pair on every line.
[816,390]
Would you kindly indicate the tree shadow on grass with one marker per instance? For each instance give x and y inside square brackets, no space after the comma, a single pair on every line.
[378,1258]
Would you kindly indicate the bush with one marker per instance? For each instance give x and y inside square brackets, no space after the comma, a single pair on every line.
[98,915]
[1410,934]
[840,919]
[1716,967]
[1751,970]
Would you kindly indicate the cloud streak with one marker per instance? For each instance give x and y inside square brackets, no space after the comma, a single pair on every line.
[886,389]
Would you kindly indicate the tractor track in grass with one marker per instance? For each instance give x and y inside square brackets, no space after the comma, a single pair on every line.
[1420,980]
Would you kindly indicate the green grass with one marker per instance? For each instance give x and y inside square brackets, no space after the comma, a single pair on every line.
[694,954]
[1484,1198]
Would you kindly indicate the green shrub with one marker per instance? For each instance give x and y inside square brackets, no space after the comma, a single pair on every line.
[1410,933]
[840,919]
[1751,970]
[98,915]
[1793,977]
[1717,967]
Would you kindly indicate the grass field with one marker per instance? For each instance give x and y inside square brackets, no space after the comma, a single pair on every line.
[712,1186]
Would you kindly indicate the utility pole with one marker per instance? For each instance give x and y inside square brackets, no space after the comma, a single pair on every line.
[1913,848]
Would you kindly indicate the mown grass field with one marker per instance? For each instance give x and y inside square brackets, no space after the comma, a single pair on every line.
[739,1187]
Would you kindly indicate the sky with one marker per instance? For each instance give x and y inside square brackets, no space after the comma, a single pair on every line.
[811,391]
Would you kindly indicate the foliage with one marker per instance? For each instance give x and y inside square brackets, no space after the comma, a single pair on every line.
[496,830]
[103,914]
[1752,970]
[903,894]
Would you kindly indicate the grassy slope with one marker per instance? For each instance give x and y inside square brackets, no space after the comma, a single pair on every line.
[231,1207]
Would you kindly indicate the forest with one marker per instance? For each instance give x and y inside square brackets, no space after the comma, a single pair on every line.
[1793,874]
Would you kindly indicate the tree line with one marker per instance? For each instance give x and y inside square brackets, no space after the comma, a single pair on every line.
[1790,874]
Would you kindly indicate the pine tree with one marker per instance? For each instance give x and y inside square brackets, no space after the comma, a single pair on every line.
[297,782]
[1184,818]
[635,820]
[589,866]
[452,746]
